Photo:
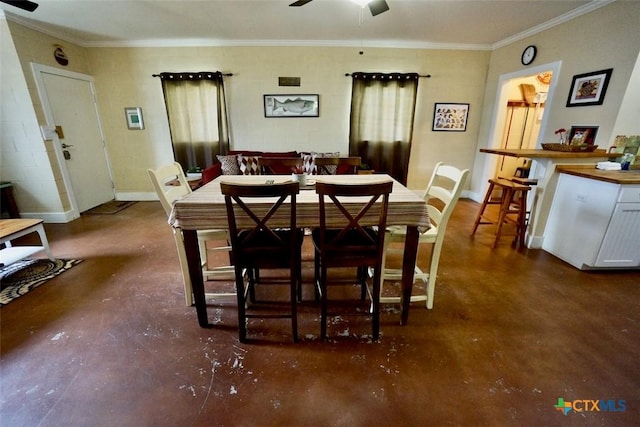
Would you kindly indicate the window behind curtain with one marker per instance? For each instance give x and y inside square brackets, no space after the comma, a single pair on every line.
[382,113]
[197,117]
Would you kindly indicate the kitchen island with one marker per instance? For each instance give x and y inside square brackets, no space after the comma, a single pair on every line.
[543,169]
[594,221]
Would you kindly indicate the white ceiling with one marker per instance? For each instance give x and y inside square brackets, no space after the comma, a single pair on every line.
[472,24]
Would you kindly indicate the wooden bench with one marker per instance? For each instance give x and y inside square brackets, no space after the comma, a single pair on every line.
[11,229]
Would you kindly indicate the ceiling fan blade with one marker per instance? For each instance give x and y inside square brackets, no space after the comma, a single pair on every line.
[378,6]
[22,4]
[300,3]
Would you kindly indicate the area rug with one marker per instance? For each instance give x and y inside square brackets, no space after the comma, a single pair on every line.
[23,276]
[109,208]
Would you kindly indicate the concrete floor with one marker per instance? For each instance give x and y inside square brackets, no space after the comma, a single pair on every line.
[111,343]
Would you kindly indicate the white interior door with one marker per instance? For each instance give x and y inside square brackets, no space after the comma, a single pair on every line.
[71,104]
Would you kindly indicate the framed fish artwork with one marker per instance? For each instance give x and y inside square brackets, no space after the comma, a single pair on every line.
[291,105]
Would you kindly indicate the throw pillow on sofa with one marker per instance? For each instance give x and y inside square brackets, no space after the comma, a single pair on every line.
[309,163]
[229,164]
[330,169]
[248,165]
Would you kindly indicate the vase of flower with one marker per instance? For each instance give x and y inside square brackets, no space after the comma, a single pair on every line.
[562,134]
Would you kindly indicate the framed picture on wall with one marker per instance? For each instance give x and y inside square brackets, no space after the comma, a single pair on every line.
[451,117]
[589,88]
[291,106]
[134,118]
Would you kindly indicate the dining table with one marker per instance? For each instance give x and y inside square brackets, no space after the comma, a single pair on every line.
[205,209]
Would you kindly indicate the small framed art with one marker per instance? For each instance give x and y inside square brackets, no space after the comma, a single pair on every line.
[134,118]
[291,106]
[580,135]
[589,88]
[450,117]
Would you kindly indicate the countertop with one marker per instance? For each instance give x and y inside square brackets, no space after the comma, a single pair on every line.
[548,154]
[589,171]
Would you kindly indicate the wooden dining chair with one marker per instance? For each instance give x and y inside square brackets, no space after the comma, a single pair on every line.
[279,165]
[257,245]
[337,165]
[441,196]
[170,185]
[343,241]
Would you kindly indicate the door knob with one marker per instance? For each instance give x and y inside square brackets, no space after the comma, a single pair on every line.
[66,145]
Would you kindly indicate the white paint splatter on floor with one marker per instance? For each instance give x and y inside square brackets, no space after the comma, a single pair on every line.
[57,336]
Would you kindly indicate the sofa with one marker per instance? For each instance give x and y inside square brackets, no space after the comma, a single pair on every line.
[245,162]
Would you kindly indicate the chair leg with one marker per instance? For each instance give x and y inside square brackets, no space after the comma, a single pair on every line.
[240,292]
[323,305]
[485,202]
[186,277]
[375,297]
[507,196]
[299,275]
[253,279]
[294,286]
[362,278]
[521,222]
[433,272]
[316,276]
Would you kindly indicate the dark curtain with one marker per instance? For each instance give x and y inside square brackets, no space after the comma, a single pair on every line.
[382,114]
[197,114]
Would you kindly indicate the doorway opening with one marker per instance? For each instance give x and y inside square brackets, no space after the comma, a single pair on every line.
[519,118]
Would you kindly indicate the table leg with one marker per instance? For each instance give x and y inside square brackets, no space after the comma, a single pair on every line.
[44,241]
[195,271]
[408,267]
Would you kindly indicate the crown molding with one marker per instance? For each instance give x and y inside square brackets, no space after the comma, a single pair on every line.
[582,10]
[397,44]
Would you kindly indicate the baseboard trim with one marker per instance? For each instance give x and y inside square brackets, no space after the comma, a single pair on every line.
[50,217]
[137,197]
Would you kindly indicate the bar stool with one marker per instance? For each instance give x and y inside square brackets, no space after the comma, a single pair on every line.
[525,181]
[513,203]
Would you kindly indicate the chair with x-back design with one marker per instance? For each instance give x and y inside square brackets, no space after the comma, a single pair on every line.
[257,245]
[342,240]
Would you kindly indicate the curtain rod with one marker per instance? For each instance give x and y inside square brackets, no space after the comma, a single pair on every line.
[427,76]
[199,72]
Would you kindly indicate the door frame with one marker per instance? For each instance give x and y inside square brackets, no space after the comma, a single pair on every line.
[500,113]
[38,70]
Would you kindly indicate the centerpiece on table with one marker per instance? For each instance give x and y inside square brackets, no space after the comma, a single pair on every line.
[298,175]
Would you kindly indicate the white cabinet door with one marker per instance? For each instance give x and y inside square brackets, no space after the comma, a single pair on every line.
[578,219]
[621,244]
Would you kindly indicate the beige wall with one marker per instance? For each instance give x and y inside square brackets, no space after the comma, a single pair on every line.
[627,122]
[124,78]
[24,158]
[605,38]
[30,162]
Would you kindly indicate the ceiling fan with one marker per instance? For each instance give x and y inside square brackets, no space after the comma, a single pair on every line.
[375,6]
[29,6]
